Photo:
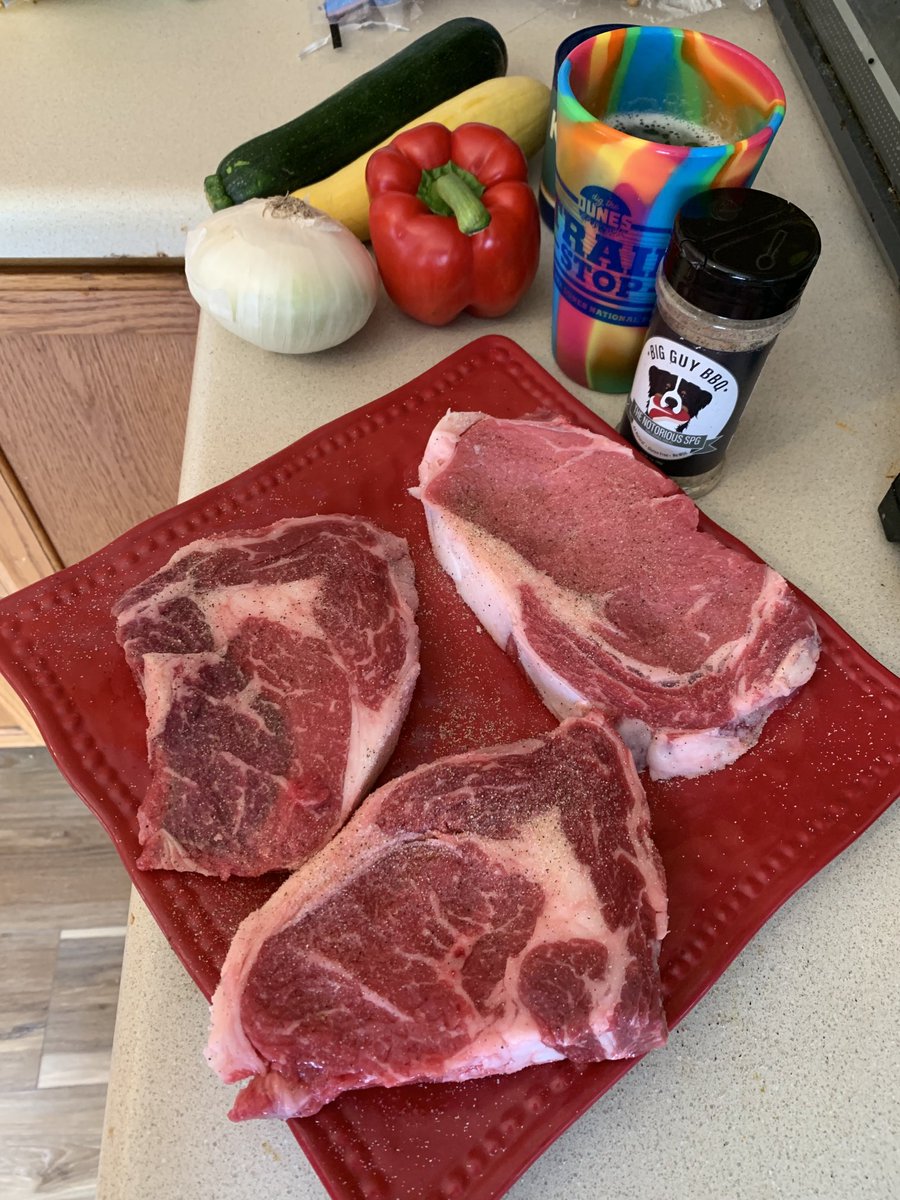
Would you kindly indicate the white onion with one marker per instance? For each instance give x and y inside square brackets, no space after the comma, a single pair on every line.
[281,274]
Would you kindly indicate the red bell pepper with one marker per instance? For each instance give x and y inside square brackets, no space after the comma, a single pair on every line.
[454,224]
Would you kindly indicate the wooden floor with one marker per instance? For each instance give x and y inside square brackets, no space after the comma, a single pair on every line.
[63,909]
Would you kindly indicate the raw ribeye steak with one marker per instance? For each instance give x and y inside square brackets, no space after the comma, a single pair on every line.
[585,564]
[277,667]
[481,914]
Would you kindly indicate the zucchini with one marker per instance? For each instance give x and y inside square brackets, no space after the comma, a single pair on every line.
[436,66]
[516,104]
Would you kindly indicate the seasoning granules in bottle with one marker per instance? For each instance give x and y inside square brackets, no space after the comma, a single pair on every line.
[731,280]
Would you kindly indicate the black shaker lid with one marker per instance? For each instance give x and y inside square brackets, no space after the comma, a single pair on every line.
[741,253]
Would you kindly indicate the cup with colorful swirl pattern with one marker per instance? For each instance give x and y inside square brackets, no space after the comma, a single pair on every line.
[646,117]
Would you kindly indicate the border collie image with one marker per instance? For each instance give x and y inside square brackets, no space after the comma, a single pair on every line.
[675,399]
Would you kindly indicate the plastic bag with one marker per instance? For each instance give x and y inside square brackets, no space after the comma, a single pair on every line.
[674,8]
[339,15]
[357,14]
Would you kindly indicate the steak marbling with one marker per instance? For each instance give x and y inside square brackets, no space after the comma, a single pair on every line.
[586,565]
[481,914]
[277,667]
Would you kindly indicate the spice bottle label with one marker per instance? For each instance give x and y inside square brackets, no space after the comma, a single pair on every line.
[681,401]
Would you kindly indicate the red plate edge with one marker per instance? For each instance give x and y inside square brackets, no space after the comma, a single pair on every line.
[328,1139]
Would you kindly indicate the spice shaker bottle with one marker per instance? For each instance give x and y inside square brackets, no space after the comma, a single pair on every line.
[731,280]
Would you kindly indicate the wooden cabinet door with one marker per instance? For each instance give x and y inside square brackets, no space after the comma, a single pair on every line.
[25,557]
[95,374]
[95,371]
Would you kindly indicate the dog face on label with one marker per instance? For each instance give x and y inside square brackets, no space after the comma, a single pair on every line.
[674,399]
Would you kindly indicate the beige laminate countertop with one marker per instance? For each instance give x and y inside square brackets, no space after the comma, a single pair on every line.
[784,1082]
[114,111]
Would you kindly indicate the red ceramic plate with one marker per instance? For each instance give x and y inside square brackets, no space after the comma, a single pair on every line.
[735,844]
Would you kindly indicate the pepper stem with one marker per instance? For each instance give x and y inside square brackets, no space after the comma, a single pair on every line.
[451,191]
[470,213]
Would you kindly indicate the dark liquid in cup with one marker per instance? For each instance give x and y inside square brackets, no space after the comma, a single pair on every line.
[660,127]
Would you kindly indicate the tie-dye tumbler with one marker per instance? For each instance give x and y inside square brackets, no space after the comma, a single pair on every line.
[646,118]
[547,188]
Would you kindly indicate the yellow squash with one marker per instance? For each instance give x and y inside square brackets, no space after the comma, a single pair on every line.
[514,103]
